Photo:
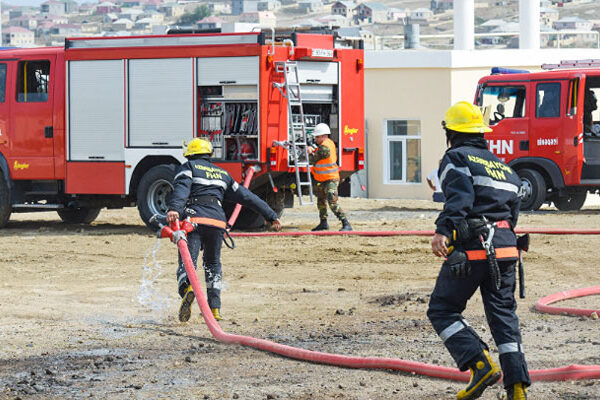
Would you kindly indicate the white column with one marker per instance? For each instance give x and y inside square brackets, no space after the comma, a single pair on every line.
[464,24]
[529,20]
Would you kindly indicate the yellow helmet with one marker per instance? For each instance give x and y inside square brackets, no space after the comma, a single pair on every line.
[198,146]
[466,118]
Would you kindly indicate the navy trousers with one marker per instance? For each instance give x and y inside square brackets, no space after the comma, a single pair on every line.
[448,301]
[210,239]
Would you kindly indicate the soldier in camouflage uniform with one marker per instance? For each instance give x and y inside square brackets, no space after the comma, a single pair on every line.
[325,171]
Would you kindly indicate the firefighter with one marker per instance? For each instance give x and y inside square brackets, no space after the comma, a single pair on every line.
[199,188]
[475,231]
[325,171]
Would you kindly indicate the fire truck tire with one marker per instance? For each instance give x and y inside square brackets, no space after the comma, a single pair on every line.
[534,188]
[571,202]
[5,208]
[83,215]
[153,191]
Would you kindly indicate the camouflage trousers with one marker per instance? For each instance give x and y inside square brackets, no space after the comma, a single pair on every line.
[327,193]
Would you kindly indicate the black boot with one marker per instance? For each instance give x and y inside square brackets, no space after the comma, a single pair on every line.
[323,226]
[346,225]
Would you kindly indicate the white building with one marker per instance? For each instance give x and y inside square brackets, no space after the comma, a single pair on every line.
[18,37]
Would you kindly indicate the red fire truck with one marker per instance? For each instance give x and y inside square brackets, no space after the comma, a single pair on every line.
[547,128]
[101,122]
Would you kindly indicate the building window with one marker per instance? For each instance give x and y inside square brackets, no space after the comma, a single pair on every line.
[32,81]
[402,151]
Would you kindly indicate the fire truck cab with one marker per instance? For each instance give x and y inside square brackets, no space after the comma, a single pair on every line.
[546,126]
[101,121]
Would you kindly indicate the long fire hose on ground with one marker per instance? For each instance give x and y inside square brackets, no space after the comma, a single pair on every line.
[571,372]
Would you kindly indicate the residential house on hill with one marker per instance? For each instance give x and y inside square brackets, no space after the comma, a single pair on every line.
[53,7]
[174,10]
[219,8]
[371,13]
[209,23]
[548,16]
[242,6]
[107,7]
[441,5]
[343,8]
[573,23]
[25,21]
[397,14]
[262,18]
[309,6]
[18,37]
[421,15]
[268,5]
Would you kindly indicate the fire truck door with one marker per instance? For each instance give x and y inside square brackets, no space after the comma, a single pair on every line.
[31,131]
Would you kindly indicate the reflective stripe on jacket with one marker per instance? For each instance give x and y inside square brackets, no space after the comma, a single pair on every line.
[326,169]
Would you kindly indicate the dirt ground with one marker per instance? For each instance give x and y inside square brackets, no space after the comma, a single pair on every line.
[90,311]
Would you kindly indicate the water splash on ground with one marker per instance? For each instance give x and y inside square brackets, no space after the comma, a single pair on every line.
[150,296]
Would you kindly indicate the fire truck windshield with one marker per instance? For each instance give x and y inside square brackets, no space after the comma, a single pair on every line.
[500,102]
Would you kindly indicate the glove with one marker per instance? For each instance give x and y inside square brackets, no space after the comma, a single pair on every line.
[459,264]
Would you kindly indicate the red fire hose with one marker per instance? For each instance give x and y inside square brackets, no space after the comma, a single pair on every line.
[543,303]
[571,372]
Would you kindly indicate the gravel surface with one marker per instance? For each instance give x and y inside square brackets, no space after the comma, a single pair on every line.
[90,311]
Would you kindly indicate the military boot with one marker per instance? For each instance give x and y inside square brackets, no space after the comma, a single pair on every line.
[346,225]
[484,372]
[216,314]
[185,309]
[518,391]
[323,226]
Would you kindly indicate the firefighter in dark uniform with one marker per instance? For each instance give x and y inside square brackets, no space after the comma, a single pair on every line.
[327,178]
[475,231]
[198,191]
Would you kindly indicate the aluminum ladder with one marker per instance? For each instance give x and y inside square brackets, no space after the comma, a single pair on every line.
[297,140]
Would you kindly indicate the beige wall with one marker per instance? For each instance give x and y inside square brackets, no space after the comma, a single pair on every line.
[412,93]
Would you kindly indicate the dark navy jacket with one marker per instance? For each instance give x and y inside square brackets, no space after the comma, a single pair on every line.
[201,179]
[476,183]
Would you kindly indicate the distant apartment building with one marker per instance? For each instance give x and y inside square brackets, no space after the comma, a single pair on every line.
[18,37]
[371,13]
[66,29]
[239,7]
[122,24]
[53,7]
[310,6]
[343,8]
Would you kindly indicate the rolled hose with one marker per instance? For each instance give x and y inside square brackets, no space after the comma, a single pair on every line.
[571,372]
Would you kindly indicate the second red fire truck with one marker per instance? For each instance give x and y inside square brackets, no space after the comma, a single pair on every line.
[101,122]
[547,128]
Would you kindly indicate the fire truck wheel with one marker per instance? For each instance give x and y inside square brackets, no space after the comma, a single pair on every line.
[152,192]
[83,215]
[534,189]
[571,202]
[5,207]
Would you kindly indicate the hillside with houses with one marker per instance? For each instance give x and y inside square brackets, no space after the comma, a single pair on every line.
[563,23]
